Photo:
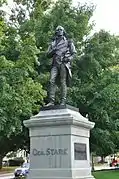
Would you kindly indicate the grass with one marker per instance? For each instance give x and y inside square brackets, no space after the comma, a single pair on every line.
[7,170]
[106,174]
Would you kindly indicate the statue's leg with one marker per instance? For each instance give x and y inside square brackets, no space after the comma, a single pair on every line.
[54,73]
[63,76]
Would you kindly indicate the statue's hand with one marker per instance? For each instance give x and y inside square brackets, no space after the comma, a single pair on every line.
[68,59]
[51,52]
[53,49]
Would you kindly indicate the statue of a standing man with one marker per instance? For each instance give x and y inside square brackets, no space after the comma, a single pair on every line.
[62,51]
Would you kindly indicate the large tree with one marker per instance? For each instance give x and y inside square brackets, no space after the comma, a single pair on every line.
[95,90]
[21,93]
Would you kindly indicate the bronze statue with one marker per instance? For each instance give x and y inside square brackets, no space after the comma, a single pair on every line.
[62,51]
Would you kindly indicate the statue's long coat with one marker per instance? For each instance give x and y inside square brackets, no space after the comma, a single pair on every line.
[59,51]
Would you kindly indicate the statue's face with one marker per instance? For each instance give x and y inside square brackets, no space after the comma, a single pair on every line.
[59,31]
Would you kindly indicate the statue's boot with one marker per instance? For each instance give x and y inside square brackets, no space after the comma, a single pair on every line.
[51,103]
[63,102]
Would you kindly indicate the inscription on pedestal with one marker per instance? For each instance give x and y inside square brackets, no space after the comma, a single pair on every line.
[80,152]
[50,151]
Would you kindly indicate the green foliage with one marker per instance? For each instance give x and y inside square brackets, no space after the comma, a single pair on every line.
[21,93]
[74,20]
[2,2]
[95,90]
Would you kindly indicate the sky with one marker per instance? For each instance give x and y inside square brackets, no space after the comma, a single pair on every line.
[106,14]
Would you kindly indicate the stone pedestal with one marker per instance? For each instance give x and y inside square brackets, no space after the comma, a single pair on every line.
[59,145]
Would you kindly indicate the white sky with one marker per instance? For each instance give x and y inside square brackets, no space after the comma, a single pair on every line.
[106,15]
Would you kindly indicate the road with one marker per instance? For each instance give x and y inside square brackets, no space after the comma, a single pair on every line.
[7,176]
[104,167]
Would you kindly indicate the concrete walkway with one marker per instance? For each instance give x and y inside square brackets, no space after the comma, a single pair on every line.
[7,176]
[103,167]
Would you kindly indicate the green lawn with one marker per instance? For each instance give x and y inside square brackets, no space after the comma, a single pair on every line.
[106,174]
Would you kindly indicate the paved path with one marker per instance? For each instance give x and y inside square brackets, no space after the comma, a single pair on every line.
[104,167]
[7,176]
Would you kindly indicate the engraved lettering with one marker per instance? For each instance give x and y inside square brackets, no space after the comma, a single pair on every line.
[50,151]
[35,152]
[65,151]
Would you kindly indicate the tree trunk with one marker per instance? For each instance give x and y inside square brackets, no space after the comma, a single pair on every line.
[1,161]
[92,157]
[102,159]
